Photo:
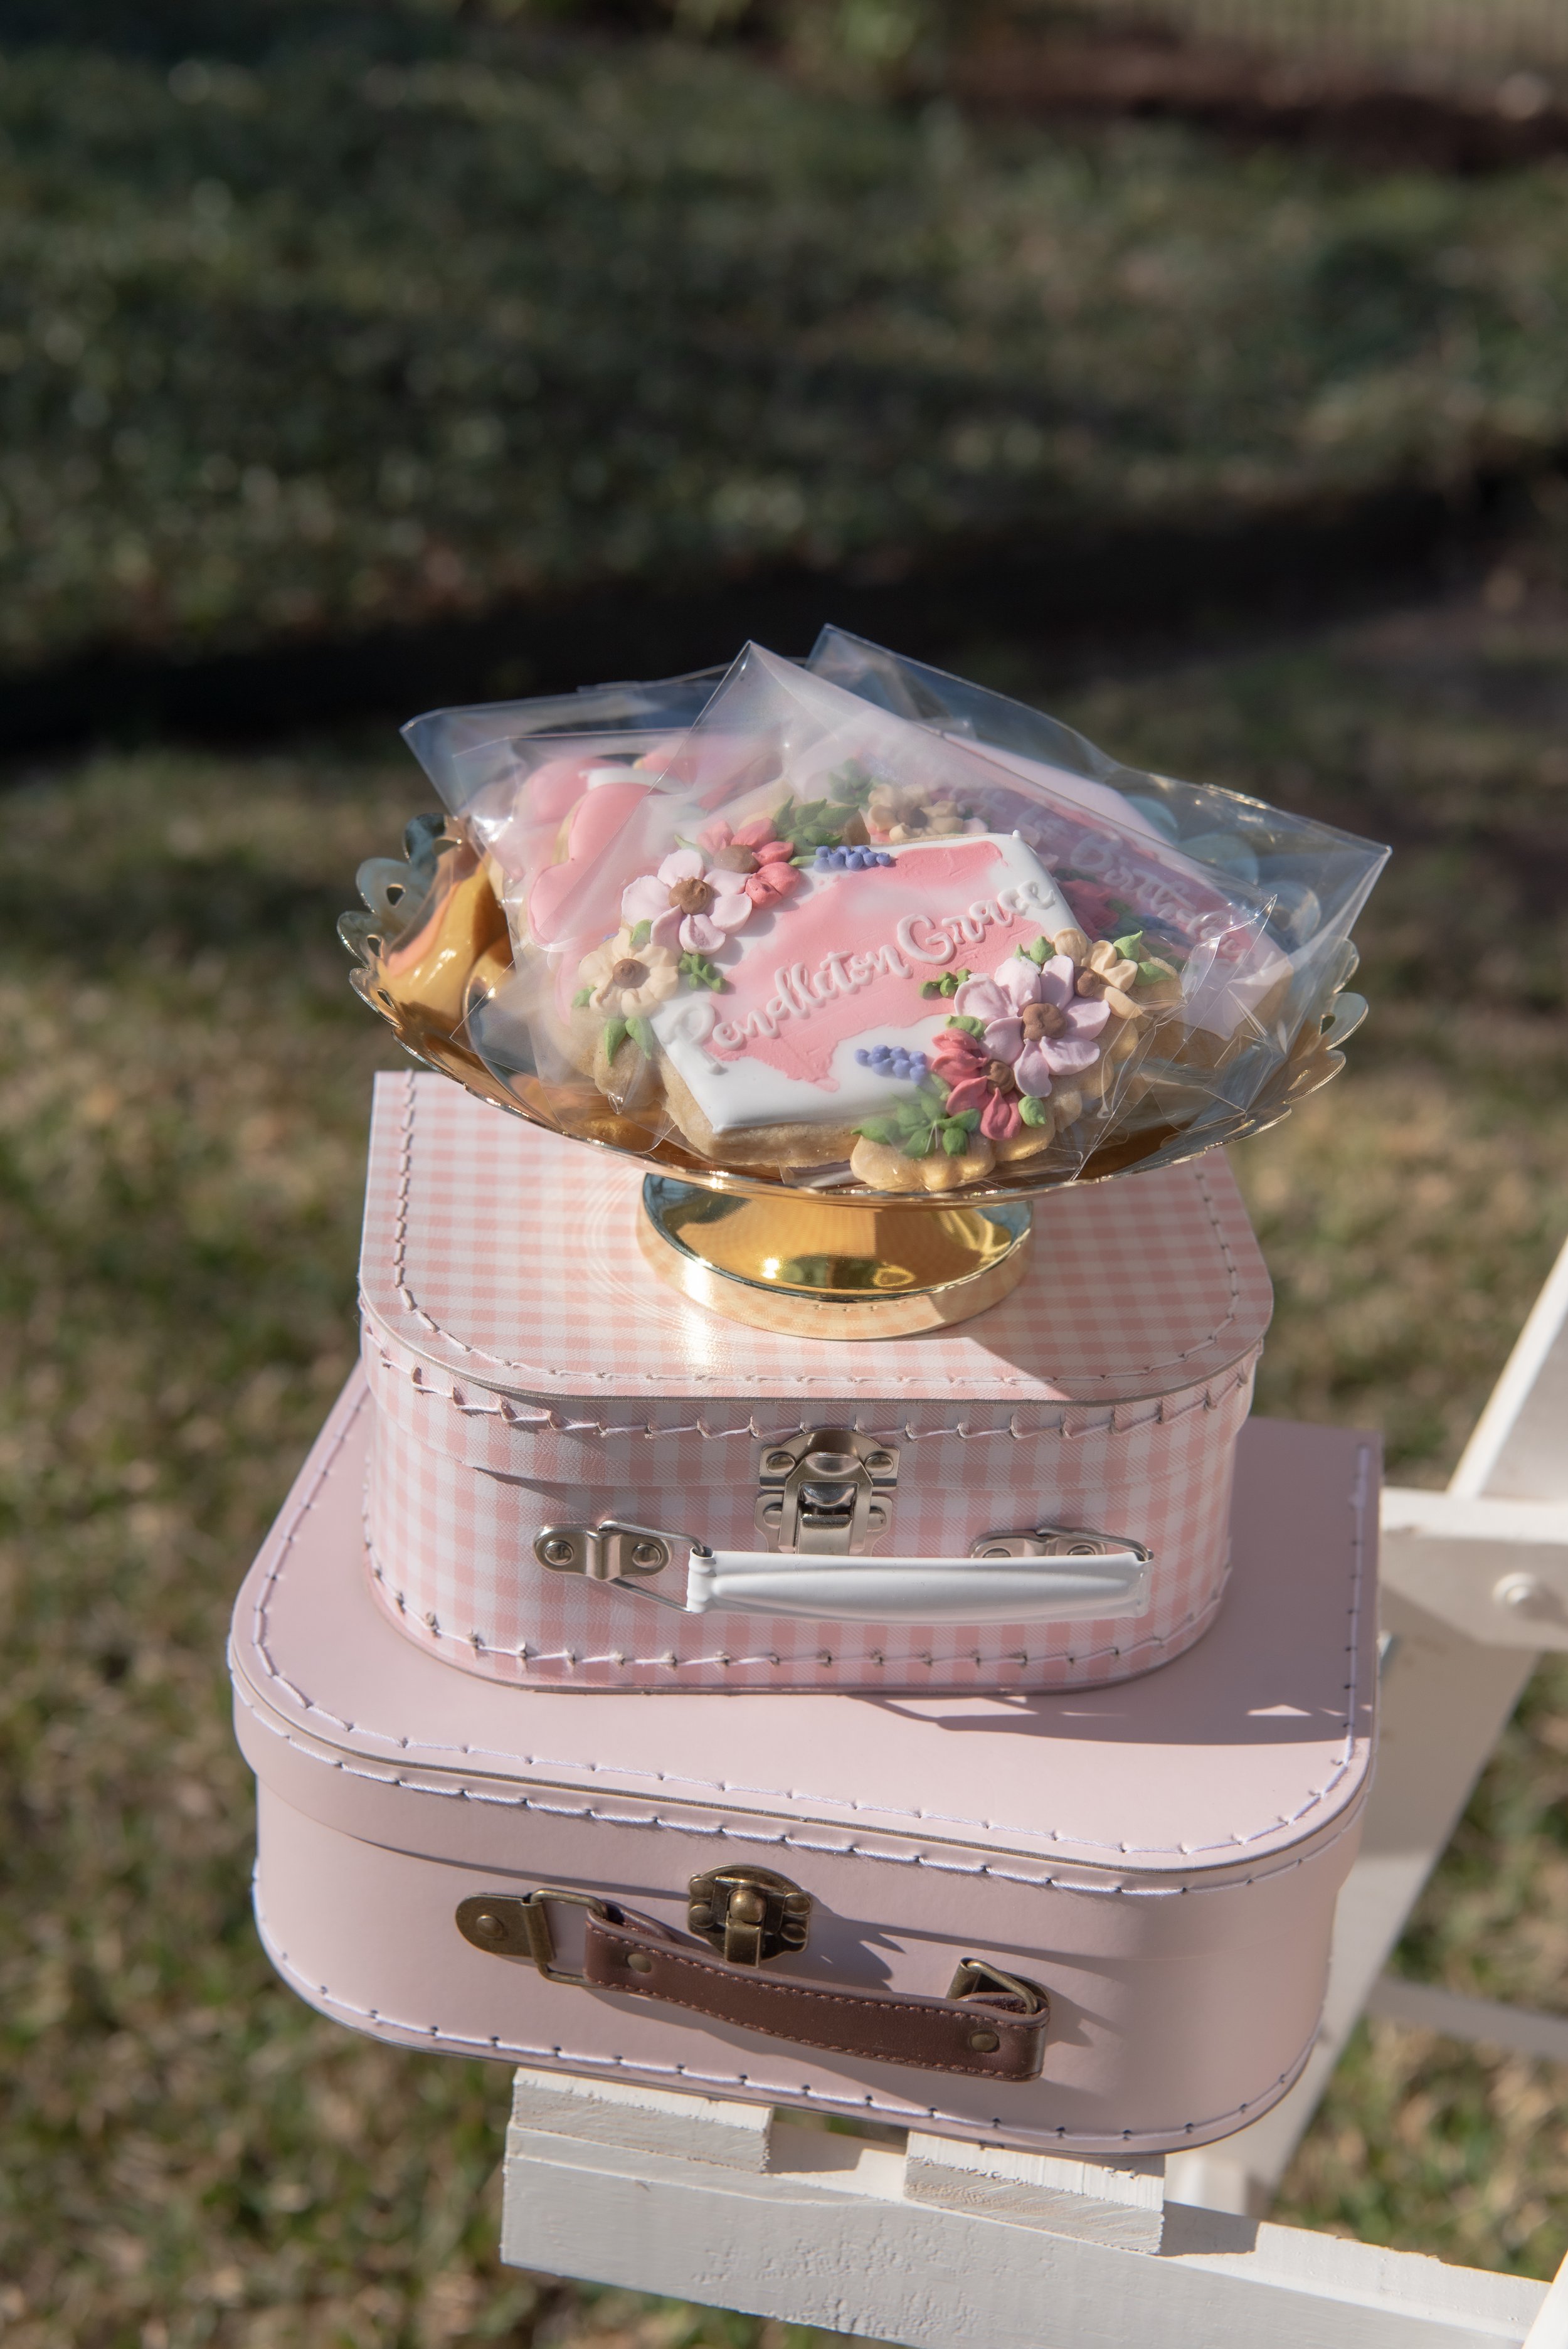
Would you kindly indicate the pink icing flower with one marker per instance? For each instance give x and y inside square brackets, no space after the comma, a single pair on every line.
[688,901]
[977,1081]
[760,863]
[1034,1022]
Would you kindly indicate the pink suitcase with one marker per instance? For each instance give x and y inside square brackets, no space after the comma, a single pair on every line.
[534,1384]
[1140,1879]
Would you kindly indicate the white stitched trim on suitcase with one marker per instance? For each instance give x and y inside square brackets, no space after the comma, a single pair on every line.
[840,1378]
[538,1417]
[511,2051]
[1359,1499]
[782,1839]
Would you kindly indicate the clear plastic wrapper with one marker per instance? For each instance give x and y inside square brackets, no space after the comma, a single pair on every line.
[1315,879]
[814,941]
[548,781]
[443,738]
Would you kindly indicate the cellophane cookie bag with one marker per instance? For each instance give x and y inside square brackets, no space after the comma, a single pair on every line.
[1314,878]
[811,937]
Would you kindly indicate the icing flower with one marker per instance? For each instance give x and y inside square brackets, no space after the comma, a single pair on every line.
[899,815]
[689,900]
[1019,1029]
[760,863]
[625,980]
[979,1084]
[1035,1022]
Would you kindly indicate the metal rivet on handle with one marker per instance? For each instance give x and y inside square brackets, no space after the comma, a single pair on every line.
[640,1962]
[488,1926]
[650,1554]
[985,2042]
[558,1553]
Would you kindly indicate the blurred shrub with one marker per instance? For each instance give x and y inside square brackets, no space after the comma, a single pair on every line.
[335,317]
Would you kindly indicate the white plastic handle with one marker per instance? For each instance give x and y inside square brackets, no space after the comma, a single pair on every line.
[920,1590]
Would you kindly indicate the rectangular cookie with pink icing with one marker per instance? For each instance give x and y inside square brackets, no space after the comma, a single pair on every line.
[834,993]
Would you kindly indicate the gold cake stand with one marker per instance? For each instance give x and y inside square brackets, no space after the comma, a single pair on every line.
[748,1243]
[828,1268]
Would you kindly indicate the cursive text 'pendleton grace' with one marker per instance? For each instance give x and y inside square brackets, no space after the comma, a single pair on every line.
[919,939]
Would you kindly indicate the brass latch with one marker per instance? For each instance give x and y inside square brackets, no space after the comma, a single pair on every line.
[749,1913]
[825,1493]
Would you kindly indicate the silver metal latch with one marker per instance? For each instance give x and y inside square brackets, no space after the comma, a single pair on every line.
[825,1493]
[1058,1541]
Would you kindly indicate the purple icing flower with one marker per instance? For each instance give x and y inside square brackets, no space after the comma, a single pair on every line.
[686,901]
[1035,1021]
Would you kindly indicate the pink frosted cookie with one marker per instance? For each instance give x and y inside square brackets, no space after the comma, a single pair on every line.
[907,1010]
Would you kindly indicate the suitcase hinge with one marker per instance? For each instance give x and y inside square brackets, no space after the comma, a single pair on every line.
[825,1493]
[612,1552]
[1056,1541]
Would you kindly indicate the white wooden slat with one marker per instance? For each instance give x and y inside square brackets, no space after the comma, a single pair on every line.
[643,2120]
[829,2239]
[1481,2021]
[1518,1450]
[1549,2330]
[1496,1569]
[1099,2202]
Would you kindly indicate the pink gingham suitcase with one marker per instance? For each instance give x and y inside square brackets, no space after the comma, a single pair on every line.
[1091,1920]
[577,1479]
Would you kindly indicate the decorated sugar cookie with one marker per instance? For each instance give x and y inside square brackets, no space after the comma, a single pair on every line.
[911,1009]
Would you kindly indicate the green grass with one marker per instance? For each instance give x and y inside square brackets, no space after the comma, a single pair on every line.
[311,317]
[187,2155]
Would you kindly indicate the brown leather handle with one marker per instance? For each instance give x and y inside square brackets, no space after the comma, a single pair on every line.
[996,2031]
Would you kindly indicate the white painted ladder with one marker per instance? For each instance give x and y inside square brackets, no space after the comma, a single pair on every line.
[937,2243]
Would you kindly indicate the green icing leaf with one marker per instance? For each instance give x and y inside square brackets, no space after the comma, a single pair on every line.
[582,999]
[1032,1112]
[616,1035]
[970,1026]
[920,1124]
[642,934]
[1127,947]
[815,824]
[850,784]
[703,973]
[1038,951]
[642,1035]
